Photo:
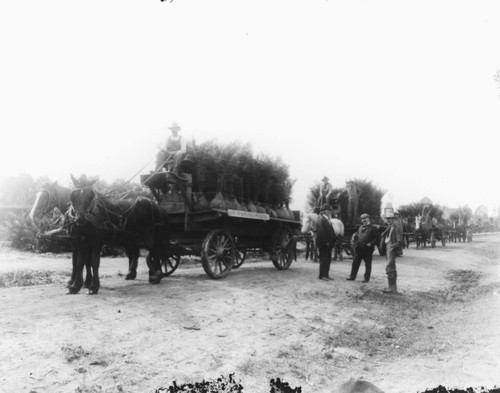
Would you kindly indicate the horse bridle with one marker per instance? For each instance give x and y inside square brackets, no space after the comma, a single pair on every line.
[89,212]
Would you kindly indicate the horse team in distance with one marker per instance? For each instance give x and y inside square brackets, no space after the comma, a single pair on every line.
[92,219]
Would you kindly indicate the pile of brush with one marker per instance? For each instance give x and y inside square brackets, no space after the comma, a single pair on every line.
[231,176]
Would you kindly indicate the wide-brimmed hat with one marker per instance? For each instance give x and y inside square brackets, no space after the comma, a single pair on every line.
[174,126]
[364,215]
[325,178]
[326,206]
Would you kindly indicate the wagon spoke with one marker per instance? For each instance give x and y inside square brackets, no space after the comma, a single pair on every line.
[226,260]
[169,264]
[282,248]
[218,253]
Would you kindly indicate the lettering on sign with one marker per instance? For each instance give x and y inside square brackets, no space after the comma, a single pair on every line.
[244,214]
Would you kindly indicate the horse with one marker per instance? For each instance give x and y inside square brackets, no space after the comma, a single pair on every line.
[139,223]
[422,231]
[408,231]
[338,227]
[54,196]
[309,222]
[309,225]
[51,196]
[460,232]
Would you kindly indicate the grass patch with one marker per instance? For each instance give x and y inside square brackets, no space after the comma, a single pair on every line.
[402,323]
[26,278]
[463,280]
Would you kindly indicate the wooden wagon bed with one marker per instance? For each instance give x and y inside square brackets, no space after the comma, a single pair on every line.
[220,237]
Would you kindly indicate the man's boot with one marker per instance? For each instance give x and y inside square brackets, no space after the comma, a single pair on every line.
[392,286]
[395,285]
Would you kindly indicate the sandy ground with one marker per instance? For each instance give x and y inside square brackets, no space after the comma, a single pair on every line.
[258,323]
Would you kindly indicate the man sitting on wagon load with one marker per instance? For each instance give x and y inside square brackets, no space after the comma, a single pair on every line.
[325,192]
[171,157]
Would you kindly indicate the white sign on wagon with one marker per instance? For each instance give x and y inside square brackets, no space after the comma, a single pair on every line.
[244,214]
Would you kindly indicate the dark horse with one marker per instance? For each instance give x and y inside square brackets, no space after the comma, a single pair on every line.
[52,196]
[99,219]
[460,232]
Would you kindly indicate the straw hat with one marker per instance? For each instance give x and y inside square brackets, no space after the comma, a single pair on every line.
[174,126]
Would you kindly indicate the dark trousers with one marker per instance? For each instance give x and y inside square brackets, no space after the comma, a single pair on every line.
[325,259]
[362,255]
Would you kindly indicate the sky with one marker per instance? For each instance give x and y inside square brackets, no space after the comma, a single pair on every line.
[399,93]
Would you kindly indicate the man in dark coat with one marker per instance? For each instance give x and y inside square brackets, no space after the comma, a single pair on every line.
[364,242]
[325,240]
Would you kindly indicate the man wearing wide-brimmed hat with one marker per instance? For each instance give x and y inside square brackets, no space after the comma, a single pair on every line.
[393,241]
[175,149]
[325,240]
[325,192]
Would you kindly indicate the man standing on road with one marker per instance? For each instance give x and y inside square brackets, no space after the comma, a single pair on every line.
[325,240]
[393,241]
[364,243]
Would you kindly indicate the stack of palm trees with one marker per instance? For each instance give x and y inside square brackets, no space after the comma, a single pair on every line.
[231,176]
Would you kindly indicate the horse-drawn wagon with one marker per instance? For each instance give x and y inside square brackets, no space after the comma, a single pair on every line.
[221,237]
[248,209]
[437,233]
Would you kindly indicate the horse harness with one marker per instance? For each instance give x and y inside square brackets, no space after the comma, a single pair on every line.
[112,220]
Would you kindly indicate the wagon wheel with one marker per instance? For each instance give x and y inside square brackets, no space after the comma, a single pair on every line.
[169,264]
[283,248]
[433,240]
[240,256]
[218,253]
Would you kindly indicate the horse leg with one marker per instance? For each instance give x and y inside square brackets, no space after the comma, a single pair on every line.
[155,274]
[315,252]
[88,276]
[133,260]
[95,257]
[74,261]
[81,253]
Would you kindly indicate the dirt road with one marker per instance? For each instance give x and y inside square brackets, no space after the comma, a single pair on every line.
[258,322]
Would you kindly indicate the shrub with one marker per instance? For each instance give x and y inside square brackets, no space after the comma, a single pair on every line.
[24,235]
